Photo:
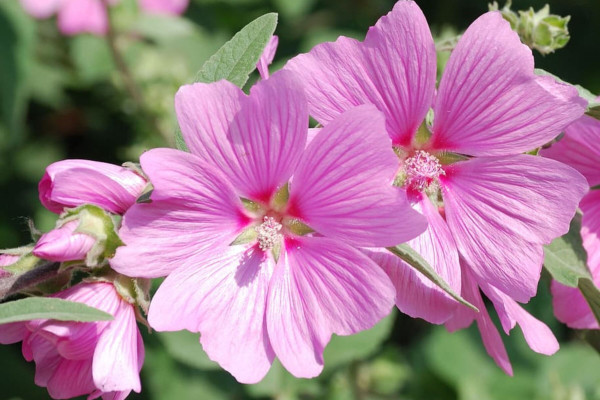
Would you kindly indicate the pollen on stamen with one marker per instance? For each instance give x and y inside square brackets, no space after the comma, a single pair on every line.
[422,171]
[268,233]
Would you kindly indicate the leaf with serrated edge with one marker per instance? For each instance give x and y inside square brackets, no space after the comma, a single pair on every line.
[414,259]
[566,260]
[49,308]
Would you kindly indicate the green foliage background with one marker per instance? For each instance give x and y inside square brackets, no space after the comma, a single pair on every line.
[63,98]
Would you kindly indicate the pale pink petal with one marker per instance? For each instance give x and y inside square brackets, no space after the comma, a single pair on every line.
[416,295]
[537,335]
[319,287]
[268,135]
[38,349]
[394,69]
[267,56]
[464,316]
[41,8]
[590,229]
[491,103]
[342,187]
[83,16]
[71,378]
[169,7]
[493,210]
[193,208]
[579,148]
[64,244]
[115,365]
[8,259]
[71,183]
[222,296]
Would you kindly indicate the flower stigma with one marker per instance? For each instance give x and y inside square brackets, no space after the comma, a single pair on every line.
[268,233]
[422,171]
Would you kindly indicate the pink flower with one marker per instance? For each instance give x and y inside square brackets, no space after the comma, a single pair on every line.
[6,260]
[72,183]
[84,358]
[481,195]
[90,16]
[580,148]
[276,292]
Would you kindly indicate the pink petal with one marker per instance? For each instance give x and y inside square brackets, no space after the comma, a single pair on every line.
[492,208]
[342,187]
[193,209]
[170,7]
[83,16]
[267,56]
[222,296]
[319,287]
[71,183]
[571,308]
[255,141]
[489,334]
[71,378]
[64,244]
[590,231]
[394,69]
[491,103]
[537,335]
[41,8]
[115,366]
[579,148]
[8,259]
[12,333]
[416,295]
[269,135]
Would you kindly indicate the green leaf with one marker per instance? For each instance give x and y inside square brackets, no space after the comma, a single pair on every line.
[415,260]
[49,308]
[184,346]
[236,60]
[593,108]
[566,260]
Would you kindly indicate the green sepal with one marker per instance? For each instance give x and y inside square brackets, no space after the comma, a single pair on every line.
[24,264]
[414,259]
[248,235]
[97,223]
[281,197]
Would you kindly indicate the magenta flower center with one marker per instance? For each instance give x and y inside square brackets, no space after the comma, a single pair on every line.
[269,233]
[422,171]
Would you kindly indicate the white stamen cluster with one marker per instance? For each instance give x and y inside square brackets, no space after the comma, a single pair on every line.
[422,170]
[268,233]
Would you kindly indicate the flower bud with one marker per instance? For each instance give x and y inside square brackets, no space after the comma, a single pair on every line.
[539,30]
[83,233]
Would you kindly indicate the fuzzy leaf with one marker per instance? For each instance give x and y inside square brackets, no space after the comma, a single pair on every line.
[49,308]
[236,60]
[415,260]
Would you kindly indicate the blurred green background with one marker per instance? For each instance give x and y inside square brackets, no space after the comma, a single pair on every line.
[62,97]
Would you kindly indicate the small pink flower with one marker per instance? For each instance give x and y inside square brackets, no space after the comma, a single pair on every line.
[580,148]
[72,183]
[84,358]
[278,292]
[90,16]
[482,197]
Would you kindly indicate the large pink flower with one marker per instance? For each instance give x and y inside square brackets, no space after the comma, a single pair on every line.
[276,292]
[84,358]
[90,16]
[489,109]
[580,148]
[72,183]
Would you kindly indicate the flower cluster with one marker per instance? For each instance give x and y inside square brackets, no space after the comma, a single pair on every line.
[272,236]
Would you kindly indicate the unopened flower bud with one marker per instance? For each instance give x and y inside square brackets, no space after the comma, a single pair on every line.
[83,233]
[539,30]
